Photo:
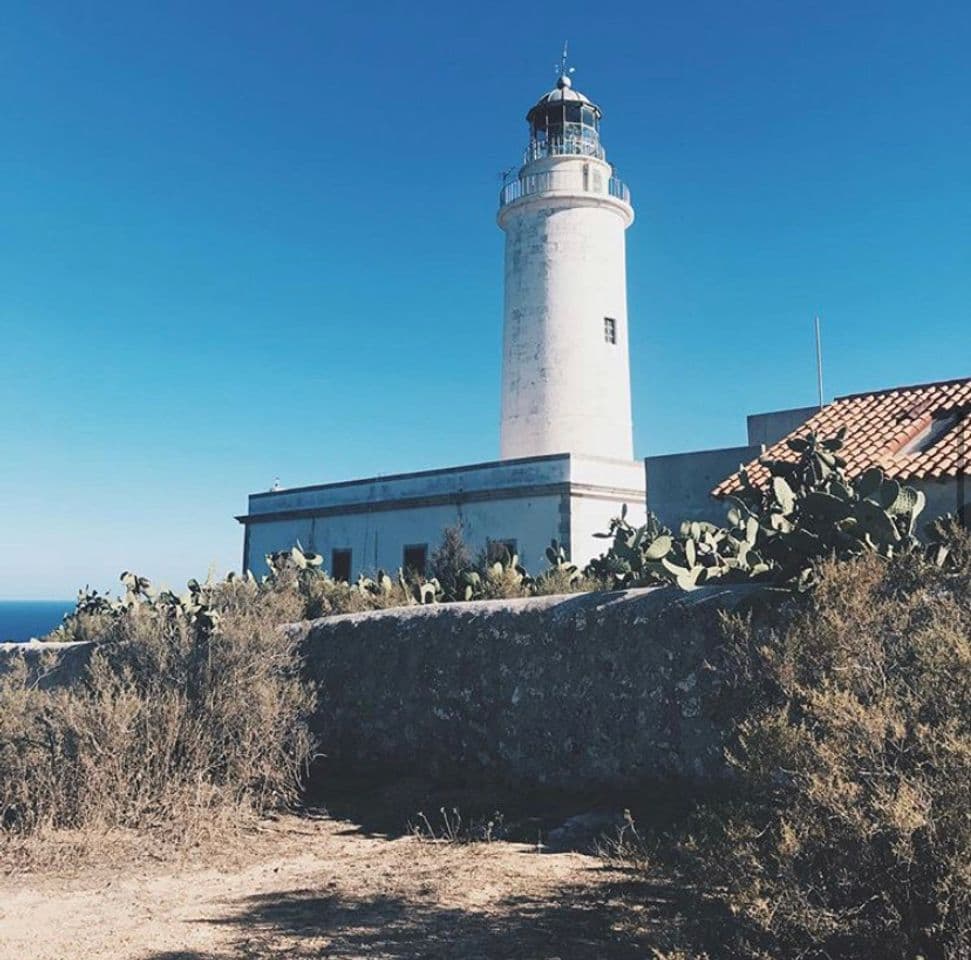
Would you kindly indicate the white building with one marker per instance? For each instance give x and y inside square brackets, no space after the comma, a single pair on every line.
[567,460]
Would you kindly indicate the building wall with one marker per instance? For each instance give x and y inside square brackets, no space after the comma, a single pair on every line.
[377,539]
[564,388]
[530,501]
[947,496]
[600,489]
[679,485]
[591,515]
[770,428]
[470,480]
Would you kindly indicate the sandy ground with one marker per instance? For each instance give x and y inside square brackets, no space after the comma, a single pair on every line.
[320,887]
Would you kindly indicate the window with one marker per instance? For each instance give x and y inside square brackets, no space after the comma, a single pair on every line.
[497,550]
[340,565]
[610,330]
[415,558]
[939,427]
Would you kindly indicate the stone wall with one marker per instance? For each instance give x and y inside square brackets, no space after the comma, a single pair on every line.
[47,664]
[578,692]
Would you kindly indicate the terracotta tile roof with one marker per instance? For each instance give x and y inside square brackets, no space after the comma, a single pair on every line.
[914,433]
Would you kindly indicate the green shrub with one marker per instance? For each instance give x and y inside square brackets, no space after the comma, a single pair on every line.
[449,560]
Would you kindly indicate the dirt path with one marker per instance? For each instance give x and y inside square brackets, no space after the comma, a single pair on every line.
[320,888]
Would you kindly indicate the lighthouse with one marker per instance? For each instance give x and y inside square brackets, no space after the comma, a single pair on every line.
[566,461]
[565,362]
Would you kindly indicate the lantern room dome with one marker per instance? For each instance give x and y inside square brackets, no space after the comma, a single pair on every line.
[563,92]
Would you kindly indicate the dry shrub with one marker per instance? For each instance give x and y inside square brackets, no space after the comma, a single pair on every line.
[554,582]
[310,594]
[170,727]
[324,597]
[850,834]
[504,583]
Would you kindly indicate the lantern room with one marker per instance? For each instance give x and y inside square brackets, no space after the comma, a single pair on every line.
[564,122]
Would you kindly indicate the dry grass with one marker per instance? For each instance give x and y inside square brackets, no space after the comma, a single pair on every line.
[554,582]
[849,833]
[172,730]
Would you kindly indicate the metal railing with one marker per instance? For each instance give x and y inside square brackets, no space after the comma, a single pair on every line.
[518,186]
[524,186]
[617,188]
[563,147]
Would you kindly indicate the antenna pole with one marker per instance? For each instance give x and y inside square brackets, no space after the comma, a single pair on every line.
[819,363]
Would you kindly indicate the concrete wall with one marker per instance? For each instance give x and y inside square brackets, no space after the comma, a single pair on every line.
[679,485]
[592,515]
[563,386]
[770,428]
[943,497]
[580,691]
[530,501]
[47,665]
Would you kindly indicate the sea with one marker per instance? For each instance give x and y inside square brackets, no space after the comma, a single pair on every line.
[22,619]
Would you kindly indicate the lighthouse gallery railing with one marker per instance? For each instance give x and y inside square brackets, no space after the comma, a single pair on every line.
[528,184]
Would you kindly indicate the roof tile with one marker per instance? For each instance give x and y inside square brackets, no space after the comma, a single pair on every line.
[880,426]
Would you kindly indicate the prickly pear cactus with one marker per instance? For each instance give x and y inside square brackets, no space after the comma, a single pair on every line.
[808,511]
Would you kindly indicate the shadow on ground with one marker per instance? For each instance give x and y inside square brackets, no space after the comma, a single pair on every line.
[380,805]
[579,924]
[605,914]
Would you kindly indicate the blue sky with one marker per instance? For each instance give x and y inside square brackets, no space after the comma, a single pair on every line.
[246,240]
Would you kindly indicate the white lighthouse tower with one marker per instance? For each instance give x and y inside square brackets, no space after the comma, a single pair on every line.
[565,364]
[567,465]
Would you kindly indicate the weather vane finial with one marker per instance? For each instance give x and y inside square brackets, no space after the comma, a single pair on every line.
[561,68]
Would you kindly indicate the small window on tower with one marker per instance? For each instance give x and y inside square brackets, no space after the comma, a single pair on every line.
[340,565]
[610,330]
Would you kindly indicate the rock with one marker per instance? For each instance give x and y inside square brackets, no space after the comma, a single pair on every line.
[583,831]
